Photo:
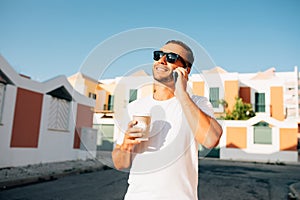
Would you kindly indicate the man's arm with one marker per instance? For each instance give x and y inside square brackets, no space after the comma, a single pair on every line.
[121,158]
[121,155]
[206,129]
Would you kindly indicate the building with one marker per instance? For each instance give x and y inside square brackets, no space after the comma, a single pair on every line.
[112,95]
[270,136]
[42,122]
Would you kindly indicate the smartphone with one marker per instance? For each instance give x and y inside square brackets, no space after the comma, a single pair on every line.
[175,75]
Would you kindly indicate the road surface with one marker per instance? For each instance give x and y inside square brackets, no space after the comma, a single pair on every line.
[217,180]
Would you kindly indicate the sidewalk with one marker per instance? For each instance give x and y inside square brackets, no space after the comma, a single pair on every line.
[17,176]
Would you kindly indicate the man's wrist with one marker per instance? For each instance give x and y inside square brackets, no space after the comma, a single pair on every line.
[125,148]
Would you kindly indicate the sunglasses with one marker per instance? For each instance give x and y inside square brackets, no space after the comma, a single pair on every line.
[170,57]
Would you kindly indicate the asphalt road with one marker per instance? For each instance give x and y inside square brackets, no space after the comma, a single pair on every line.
[224,180]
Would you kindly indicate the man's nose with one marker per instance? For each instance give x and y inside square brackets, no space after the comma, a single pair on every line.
[163,60]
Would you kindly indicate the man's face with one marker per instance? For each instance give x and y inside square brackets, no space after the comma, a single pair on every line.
[162,70]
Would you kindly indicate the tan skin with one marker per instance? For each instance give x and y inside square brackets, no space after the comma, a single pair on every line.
[206,130]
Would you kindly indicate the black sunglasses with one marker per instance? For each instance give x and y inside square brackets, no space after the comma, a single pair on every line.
[170,57]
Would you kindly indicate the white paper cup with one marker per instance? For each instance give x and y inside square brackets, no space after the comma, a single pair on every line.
[143,122]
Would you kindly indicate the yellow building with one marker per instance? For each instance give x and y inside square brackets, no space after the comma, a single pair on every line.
[102,92]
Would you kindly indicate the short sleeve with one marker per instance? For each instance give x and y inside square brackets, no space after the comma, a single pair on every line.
[204,105]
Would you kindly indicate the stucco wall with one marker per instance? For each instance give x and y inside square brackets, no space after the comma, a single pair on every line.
[237,141]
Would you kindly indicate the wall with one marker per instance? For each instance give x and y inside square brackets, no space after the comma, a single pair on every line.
[24,134]
[90,87]
[277,110]
[198,88]
[6,153]
[237,141]
[84,118]
[45,145]
[231,93]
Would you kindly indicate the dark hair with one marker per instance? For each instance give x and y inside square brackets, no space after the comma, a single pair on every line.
[187,48]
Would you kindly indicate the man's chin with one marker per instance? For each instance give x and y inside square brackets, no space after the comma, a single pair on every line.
[163,79]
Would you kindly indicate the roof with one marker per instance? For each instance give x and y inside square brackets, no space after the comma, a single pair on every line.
[84,76]
[216,69]
[58,85]
[268,74]
[139,73]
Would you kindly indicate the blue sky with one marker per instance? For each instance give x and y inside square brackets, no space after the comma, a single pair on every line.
[44,39]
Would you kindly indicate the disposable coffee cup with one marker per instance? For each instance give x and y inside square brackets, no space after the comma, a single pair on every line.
[143,122]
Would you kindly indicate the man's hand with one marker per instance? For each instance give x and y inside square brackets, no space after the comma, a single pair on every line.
[130,137]
[122,154]
[181,83]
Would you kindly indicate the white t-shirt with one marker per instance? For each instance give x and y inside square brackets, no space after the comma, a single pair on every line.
[166,166]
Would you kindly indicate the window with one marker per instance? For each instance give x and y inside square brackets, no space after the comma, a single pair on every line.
[110,102]
[2,94]
[107,132]
[92,95]
[59,112]
[214,97]
[262,133]
[260,102]
[132,95]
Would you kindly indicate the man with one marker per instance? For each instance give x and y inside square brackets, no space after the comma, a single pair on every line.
[166,166]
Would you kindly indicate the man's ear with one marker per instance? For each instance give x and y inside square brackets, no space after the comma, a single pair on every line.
[188,69]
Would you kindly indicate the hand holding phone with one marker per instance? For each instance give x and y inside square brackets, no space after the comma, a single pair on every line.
[175,76]
[182,79]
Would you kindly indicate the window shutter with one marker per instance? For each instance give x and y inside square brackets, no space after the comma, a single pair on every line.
[214,97]
[59,114]
[259,102]
[110,102]
[132,95]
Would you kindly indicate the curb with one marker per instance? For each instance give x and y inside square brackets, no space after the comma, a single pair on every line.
[251,161]
[4,185]
[294,193]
